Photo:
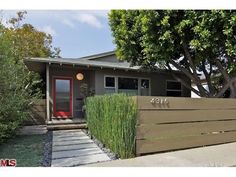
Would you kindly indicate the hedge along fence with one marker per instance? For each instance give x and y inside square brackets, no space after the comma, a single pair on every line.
[112,119]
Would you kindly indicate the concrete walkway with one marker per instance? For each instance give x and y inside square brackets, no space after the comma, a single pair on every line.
[212,156]
[74,148]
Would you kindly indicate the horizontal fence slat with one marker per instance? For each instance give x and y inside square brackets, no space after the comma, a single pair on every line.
[40,102]
[152,146]
[38,109]
[182,129]
[39,114]
[170,123]
[164,116]
[144,102]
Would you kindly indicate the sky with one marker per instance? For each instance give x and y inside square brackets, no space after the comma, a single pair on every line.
[77,33]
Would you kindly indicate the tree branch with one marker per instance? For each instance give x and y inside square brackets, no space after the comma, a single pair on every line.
[184,70]
[189,75]
[183,81]
[211,69]
[225,87]
[208,79]
[202,90]
[226,77]
[222,70]
[233,88]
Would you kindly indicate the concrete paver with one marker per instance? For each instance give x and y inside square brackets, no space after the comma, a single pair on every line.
[69,138]
[75,148]
[83,160]
[75,153]
[72,142]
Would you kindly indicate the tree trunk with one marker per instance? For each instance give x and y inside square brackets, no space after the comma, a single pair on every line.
[228,85]
[207,74]
[196,80]
[182,81]
[233,88]
[202,90]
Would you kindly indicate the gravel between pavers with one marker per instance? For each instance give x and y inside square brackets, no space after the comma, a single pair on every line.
[47,155]
[102,146]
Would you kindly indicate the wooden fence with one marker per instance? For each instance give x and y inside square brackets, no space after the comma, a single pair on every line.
[167,123]
[38,115]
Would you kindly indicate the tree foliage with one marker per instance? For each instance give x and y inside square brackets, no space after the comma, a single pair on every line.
[19,87]
[28,41]
[194,42]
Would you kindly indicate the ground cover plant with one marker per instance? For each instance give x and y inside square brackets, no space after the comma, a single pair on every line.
[26,149]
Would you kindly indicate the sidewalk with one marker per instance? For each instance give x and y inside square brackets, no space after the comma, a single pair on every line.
[212,156]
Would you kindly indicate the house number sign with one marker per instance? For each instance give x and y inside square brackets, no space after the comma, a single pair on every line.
[160,101]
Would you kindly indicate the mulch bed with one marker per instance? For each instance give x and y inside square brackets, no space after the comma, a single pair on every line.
[47,156]
[102,146]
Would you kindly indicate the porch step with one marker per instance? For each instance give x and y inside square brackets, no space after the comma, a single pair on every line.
[66,126]
[66,121]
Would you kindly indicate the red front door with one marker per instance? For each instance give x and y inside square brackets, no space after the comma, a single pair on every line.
[62,96]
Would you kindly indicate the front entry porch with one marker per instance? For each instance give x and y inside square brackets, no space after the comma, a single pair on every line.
[39,117]
[66,93]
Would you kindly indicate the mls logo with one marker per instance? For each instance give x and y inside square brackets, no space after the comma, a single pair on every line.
[8,162]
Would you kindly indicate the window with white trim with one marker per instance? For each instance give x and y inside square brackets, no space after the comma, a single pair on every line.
[144,90]
[173,88]
[128,85]
[110,84]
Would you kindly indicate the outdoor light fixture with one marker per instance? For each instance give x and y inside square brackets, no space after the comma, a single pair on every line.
[80,76]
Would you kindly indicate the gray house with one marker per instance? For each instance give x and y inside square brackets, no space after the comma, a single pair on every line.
[68,81]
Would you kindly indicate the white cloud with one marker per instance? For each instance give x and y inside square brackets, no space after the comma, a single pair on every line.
[49,30]
[68,22]
[69,18]
[89,19]
[97,13]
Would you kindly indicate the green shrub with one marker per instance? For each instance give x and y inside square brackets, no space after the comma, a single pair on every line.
[14,110]
[111,119]
[17,88]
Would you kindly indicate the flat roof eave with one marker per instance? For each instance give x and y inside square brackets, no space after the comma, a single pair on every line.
[39,64]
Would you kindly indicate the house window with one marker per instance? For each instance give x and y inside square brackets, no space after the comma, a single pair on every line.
[144,91]
[110,85]
[173,88]
[128,85]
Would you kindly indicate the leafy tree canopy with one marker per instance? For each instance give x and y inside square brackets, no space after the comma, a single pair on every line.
[194,42]
[28,41]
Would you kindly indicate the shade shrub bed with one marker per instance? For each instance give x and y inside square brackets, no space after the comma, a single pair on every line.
[111,119]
